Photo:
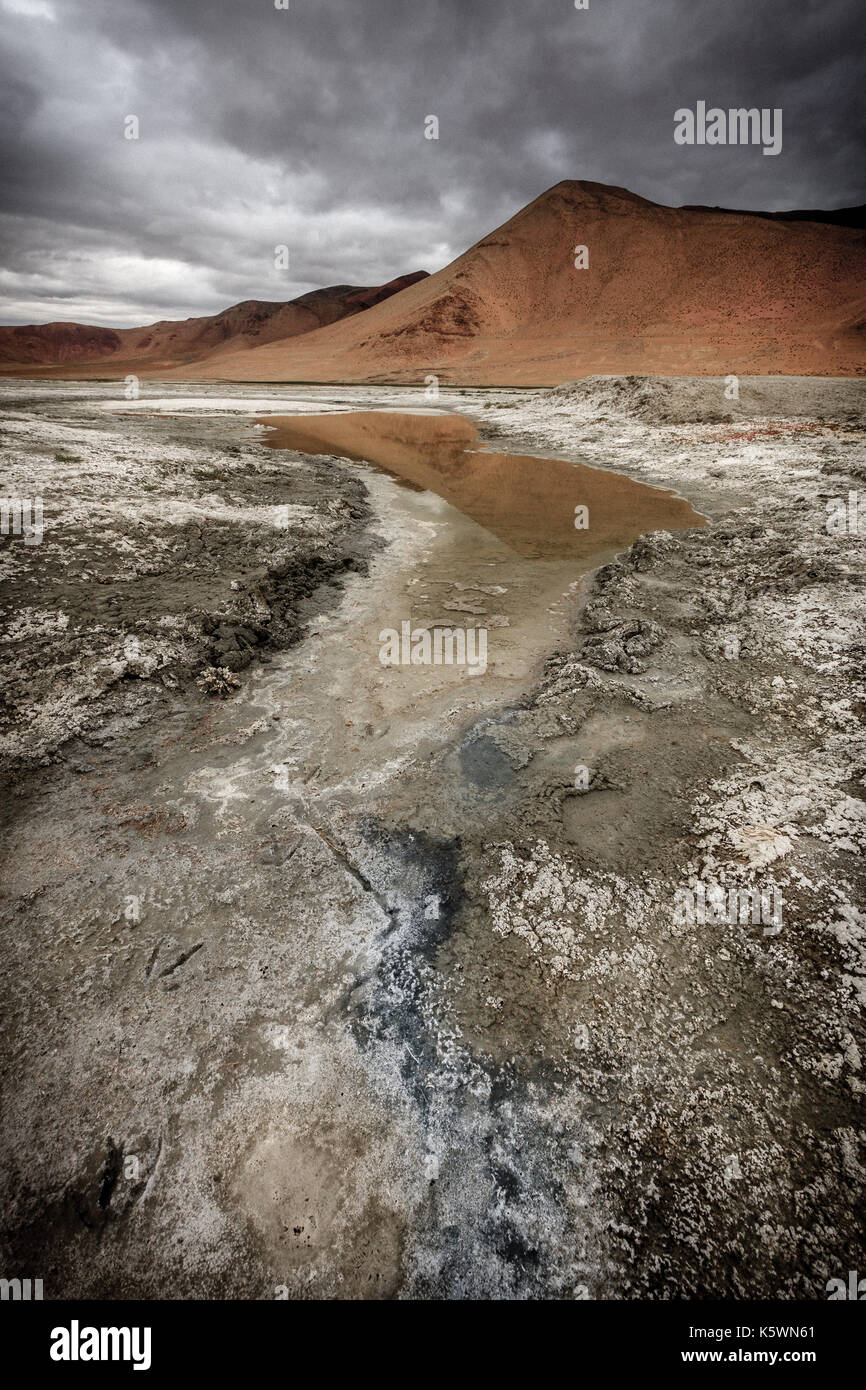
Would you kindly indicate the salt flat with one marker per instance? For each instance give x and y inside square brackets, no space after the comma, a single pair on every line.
[351,983]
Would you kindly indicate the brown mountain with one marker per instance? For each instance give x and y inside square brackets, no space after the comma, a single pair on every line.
[672,291]
[171,342]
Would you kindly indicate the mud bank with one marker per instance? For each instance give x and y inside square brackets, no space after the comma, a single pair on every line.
[164,556]
[315,991]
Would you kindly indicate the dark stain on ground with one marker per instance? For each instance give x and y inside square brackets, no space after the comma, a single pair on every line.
[485,765]
[420,888]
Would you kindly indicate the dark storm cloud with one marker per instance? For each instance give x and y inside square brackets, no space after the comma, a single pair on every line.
[262,126]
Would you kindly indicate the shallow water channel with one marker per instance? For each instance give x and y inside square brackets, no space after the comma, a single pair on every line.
[478,540]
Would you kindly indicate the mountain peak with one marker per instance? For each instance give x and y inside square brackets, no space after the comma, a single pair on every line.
[589,279]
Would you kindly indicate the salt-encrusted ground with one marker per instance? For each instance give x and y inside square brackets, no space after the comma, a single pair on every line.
[156,559]
[308,992]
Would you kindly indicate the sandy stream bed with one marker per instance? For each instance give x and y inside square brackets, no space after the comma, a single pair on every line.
[322,990]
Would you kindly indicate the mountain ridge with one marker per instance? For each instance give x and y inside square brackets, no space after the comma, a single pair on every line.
[241,326]
[661,291]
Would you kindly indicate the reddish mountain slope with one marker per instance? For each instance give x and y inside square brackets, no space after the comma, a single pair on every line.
[239,328]
[673,291]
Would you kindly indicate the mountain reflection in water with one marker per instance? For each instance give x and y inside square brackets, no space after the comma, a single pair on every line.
[529,503]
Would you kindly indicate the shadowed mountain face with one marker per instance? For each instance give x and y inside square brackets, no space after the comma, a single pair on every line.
[668,291]
[838,217]
[170,342]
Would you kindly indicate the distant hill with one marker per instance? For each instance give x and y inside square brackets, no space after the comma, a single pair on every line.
[171,342]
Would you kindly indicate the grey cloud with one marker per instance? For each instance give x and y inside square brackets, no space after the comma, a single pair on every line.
[261,126]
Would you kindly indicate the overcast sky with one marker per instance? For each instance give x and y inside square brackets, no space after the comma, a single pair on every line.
[305,127]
